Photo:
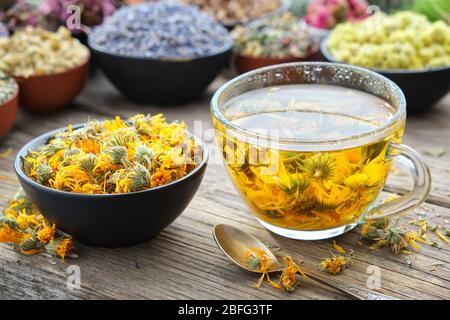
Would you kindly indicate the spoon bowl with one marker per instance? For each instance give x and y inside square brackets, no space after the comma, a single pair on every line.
[235,244]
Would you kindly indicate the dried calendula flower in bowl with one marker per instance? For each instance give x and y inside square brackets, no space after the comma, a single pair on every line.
[114,156]
[113,182]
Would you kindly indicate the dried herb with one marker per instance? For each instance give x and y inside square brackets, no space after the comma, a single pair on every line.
[279,36]
[35,51]
[258,260]
[114,156]
[22,225]
[8,88]
[400,240]
[338,262]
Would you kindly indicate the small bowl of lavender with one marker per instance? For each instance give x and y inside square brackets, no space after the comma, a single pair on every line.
[161,53]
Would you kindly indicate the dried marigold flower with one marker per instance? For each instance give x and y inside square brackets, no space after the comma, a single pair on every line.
[337,263]
[24,226]
[106,156]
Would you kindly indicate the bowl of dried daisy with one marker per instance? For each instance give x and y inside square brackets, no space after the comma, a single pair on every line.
[113,182]
[51,68]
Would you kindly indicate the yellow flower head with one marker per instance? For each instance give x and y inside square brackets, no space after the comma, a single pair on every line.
[46,234]
[337,264]
[9,235]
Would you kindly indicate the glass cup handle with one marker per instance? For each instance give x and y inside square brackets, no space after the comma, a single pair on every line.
[422,184]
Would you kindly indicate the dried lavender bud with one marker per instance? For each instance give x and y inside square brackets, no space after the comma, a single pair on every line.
[4,33]
[160,30]
[8,88]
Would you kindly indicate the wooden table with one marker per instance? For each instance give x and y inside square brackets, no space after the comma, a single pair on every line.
[184,261]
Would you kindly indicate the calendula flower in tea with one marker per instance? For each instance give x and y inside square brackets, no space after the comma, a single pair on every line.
[23,226]
[114,156]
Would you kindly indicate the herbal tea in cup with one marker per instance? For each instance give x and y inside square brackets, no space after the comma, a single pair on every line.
[309,146]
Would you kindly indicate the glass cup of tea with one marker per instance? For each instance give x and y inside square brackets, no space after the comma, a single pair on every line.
[309,146]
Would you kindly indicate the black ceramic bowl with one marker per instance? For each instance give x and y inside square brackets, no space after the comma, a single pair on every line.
[111,220]
[163,82]
[422,88]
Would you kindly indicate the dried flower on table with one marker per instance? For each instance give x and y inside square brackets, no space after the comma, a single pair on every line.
[22,225]
[337,263]
[258,260]
[114,156]
[399,239]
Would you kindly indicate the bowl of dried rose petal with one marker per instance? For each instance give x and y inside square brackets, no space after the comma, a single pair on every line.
[50,67]
[113,182]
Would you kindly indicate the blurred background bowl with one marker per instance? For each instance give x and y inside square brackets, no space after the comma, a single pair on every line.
[247,63]
[47,93]
[111,220]
[8,111]
[157,81]
[285,6]
[422,88]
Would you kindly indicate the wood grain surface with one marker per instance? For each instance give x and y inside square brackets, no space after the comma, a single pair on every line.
[184,261]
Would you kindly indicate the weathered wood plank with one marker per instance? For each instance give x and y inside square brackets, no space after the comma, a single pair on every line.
[184,262]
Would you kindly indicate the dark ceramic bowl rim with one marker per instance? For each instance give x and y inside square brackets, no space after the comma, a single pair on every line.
[381,130]
[285,5]
[41,76]
[23,151]
[327,54]
[227,46]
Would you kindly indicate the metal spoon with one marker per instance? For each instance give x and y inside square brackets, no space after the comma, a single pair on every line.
[235,243]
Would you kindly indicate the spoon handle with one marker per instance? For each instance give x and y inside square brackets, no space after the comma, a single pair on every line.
[354,292]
